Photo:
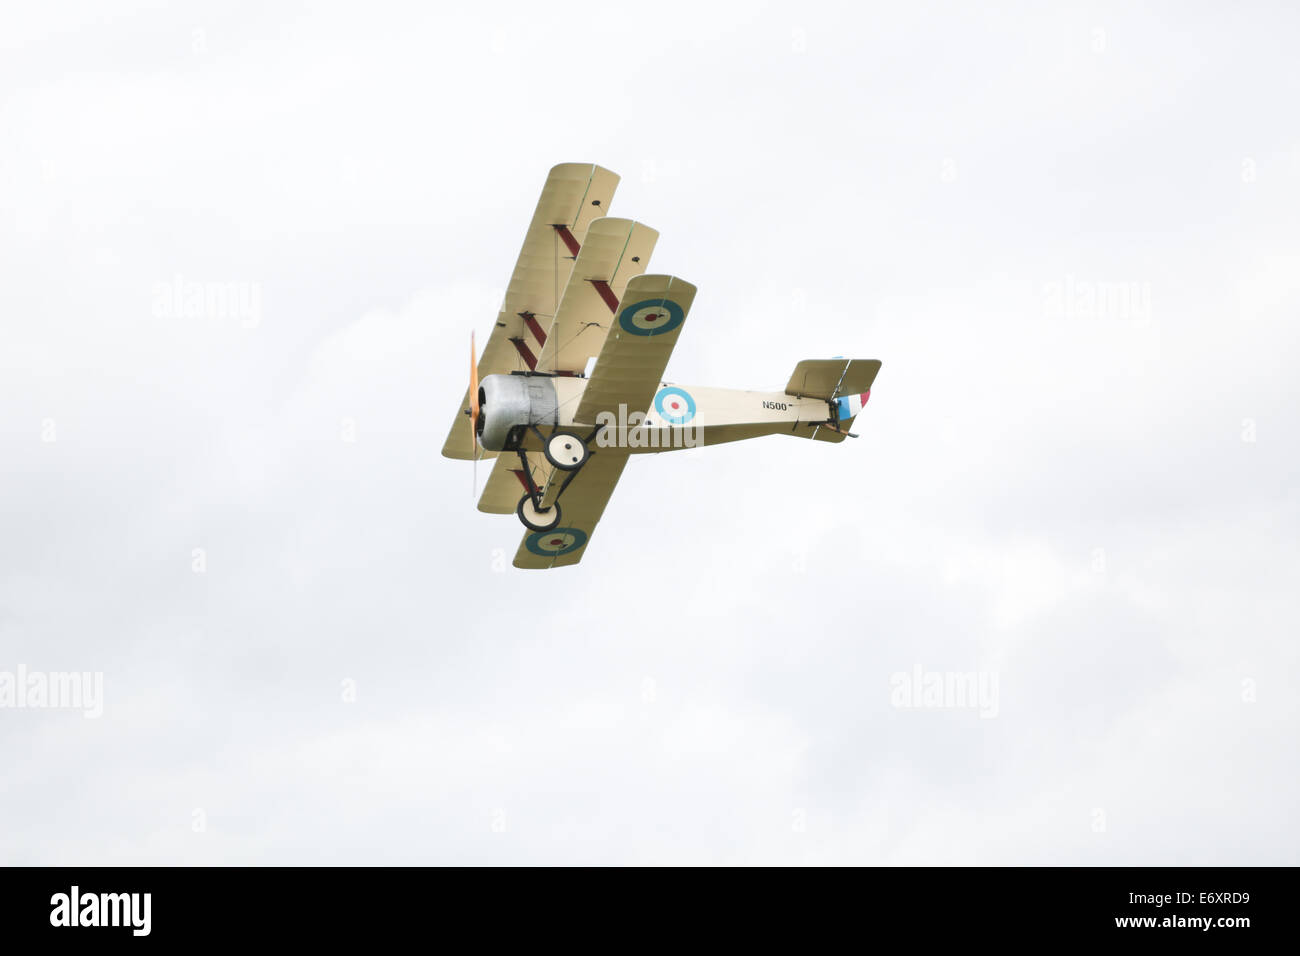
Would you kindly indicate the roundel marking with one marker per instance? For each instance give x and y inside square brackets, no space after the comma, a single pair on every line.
[557,541]
[675,405]
[651,317]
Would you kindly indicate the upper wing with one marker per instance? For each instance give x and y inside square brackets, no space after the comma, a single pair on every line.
[581,506]
[631,363]
[614,251]
[574,195]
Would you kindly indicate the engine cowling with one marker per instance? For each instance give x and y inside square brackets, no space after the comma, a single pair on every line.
[508,404]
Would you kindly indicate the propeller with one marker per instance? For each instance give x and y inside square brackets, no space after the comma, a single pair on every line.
[474,407]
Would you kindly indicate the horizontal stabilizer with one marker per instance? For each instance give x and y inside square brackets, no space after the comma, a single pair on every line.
[844,384]
[830,378]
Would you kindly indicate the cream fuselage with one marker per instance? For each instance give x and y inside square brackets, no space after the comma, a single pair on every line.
[700,416]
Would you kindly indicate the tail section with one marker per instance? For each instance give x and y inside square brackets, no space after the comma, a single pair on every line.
[845,386]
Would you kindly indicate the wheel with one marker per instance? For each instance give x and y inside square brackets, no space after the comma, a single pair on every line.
[566,451]
[535,520]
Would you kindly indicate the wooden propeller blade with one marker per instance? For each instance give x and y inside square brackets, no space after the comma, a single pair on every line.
[473,392]
[473,405]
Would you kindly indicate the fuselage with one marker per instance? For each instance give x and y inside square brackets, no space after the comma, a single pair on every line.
[679,416]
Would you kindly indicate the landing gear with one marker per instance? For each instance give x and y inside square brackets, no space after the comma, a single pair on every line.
[566,451]
[535,520]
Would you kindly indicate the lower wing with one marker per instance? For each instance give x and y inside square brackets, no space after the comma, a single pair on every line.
[581,506]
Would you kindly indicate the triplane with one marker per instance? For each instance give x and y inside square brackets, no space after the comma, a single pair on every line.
[570,383]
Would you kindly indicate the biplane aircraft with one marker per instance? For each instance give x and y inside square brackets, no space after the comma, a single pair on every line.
[570,383]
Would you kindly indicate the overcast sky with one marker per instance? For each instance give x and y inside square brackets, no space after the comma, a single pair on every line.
[1070,235]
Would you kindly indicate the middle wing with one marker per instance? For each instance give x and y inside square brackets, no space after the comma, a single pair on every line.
[631,363]
[614,251]
[581,506]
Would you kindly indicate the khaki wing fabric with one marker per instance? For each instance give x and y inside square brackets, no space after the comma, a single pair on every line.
[631,363]
[574,196]
[581,507]
[615,250]
[830,378]
[505,486]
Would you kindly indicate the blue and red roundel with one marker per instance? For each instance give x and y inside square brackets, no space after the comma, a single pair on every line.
[557,541]
[675,405]
[651,317]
